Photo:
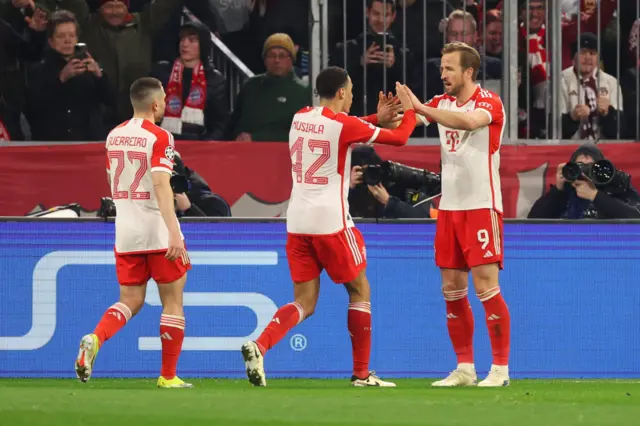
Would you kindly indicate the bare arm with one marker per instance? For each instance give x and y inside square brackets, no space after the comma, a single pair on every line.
[456,120]
[164,195]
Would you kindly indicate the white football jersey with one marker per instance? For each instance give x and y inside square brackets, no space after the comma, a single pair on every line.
[135,149]
[320,148]
[471,159]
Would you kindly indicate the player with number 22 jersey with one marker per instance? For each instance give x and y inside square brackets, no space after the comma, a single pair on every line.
[321,233]
[149,243]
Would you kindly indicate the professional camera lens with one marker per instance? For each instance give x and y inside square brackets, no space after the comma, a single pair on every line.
[603,172]
[571,171]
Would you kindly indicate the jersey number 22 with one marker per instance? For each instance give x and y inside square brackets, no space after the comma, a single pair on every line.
[309,174]
[119,194]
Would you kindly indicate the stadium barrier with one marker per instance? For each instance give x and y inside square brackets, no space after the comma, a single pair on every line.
[255,178]
[572,289]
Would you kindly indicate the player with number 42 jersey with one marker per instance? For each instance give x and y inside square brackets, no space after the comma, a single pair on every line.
[469,233]
[149,243]
[321,233]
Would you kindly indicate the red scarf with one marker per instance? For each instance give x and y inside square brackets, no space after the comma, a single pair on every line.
[4,134]
[193,111]
[537,63]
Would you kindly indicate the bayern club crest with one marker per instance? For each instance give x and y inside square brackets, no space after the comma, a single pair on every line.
[174,105]
[195,96]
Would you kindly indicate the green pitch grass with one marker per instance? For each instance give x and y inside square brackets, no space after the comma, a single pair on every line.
[316,402]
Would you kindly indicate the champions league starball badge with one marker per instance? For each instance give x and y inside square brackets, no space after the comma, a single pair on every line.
[170,153]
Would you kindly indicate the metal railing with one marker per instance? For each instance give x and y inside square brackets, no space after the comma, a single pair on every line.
[535,82]
[225,61]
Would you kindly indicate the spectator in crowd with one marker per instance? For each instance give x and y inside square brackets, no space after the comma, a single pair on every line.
[581,199]
[267,102]
[233,26]
[591,98]
[587,14]
[22,38]
[67,89]
[122,43]
[533,45]
[382,57]
[493,40]
[630,82]
[461,26]
[197,105]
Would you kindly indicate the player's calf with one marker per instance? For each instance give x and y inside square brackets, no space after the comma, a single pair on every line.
[172,326]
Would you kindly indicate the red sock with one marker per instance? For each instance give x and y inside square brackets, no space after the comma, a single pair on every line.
[112,321]
[284,320]
[498,323]
[359,323]
[172,335]
[460,324]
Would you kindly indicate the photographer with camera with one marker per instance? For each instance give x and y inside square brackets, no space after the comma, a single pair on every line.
[588,187]
[193,196]
[384,189]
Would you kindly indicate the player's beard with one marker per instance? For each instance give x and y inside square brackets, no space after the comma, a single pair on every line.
[453,89]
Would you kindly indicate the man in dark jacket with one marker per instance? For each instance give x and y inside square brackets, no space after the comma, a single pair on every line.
[581,199]
[67,89]
[122,43]
[197,102]
[375,53]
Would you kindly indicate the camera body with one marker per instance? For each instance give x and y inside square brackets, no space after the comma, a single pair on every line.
[602,173]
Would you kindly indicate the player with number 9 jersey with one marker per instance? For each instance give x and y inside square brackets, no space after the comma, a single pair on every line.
[321,234]
[469,230]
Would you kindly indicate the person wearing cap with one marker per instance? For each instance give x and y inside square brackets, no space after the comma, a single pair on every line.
[267,102]
[122,43]
[197,104]
[591,99]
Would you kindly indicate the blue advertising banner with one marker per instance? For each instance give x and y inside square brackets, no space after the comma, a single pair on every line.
[573,291]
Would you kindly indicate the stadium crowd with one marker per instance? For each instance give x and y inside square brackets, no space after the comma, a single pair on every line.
[66,65]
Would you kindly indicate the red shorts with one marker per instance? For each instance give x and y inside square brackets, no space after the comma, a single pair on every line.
[136,269]
[342,255]
[468,238]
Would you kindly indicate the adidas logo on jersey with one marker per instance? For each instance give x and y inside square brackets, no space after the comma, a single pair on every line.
[488,254]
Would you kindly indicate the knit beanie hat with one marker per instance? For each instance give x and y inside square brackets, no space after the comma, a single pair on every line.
[281,40]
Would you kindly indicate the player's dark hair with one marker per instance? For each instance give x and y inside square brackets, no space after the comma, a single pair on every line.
[58,18]
[391,3]
[142,89]
[330,80]
[469,57]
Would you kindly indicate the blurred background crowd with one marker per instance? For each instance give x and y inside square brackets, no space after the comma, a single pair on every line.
[239,69]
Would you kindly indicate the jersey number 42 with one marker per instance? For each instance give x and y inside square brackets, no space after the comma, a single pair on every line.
[309,174]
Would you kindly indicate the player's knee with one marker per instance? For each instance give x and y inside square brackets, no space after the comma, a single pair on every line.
[308,305]
[134,303]
[453,280]
[485,277]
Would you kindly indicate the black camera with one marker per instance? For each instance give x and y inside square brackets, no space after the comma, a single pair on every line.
[179,183]
[405,176]
[602,173]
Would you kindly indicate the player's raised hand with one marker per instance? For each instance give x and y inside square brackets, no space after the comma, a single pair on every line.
[176,246]
[402,93]
[389,108]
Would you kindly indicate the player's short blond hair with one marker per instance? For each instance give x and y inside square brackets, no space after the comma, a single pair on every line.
[469,57]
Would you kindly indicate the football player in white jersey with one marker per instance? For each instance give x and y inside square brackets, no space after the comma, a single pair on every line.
[469,231]
[149,243]
[321,233]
